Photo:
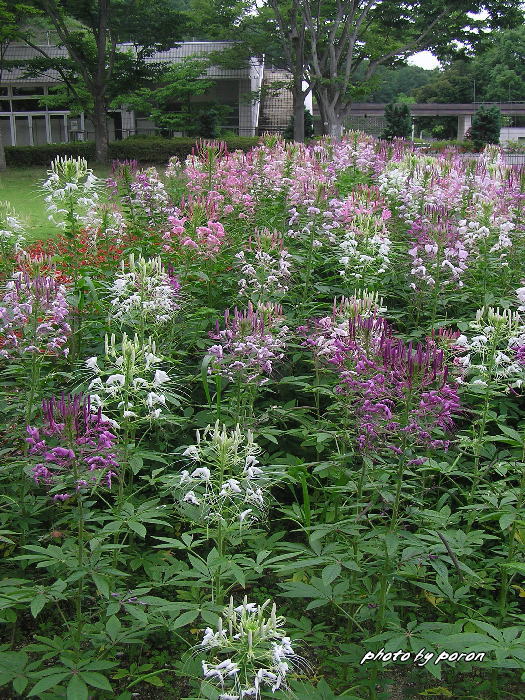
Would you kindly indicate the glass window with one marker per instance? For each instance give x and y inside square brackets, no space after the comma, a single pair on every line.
[5,106]
[4,92]
[27,106]
[29,90]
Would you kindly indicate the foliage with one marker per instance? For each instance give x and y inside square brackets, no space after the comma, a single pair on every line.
[308,126]
[262,426]
[486,126]
[144,149]
[398,121]
[168,104]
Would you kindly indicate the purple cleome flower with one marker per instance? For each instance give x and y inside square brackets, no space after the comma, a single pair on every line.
[88,460]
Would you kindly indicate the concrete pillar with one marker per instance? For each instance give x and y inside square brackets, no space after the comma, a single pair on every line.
[246,125]
[464,124]
[128,122]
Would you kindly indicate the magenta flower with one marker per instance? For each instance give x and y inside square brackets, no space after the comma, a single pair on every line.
[250,344]
[33,313]
[85,456]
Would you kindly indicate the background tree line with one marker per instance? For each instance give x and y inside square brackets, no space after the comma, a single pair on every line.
[342,50]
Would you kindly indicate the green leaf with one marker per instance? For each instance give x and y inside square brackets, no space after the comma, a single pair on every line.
[37,604]
[137,527]
[330,573]
[101,583]
[48,682]
[184,619]
[515,566]
[506,520]
[154,680]
[136,463]
[77,689]
[113,627]
[204,376]
[97,680]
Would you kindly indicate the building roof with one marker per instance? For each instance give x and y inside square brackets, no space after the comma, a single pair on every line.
[188,48]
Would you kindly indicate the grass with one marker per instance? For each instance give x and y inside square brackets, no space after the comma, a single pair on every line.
[19,187]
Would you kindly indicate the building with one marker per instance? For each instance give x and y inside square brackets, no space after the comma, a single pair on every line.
[23,122]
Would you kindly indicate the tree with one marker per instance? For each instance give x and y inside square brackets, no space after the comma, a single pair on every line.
[168,104]
[398,121]
[12,18]
[308,126]
[91,31]
[343,37]
[392,82]
[292,29]
[486,126]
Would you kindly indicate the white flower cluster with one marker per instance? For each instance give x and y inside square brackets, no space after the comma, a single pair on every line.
[495,352]
[144,293]
[225,484]
[496,232]
[129,384]
[103,220]
[175,168]
[71,189]
[251,652]
[365,246]
[11,230]
[265,268]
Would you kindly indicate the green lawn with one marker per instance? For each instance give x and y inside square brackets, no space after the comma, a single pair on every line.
[20,187]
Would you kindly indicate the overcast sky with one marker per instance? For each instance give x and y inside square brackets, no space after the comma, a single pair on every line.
[424,59]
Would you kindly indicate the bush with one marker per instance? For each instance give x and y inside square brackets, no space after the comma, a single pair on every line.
[43,155]
[440,146]
[146,149]
[398,121]
[308,126]
[486,126]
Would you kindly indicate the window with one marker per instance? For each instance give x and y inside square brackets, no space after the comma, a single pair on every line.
[5,106]
[29,90]
[28,105]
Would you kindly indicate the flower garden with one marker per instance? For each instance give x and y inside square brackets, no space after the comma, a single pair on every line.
[263,430]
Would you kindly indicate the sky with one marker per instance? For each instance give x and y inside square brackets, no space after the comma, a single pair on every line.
[424,59]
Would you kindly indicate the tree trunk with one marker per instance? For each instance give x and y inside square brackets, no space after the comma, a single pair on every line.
[332,118]
[297,40]
[298,115]
[3,165]
[100,122]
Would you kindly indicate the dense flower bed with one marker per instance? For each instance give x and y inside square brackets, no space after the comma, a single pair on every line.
[291,376]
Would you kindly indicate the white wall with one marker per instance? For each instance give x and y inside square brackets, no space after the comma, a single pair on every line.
[512,133]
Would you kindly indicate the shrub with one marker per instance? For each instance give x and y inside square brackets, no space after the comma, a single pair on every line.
[308,126]
[43,155]
[145,149]
[486,126]
[398,121]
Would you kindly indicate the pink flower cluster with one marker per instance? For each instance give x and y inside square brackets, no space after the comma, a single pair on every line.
[204,240]
[32,316]
[439,255]
[249,345]
[398,392]
[85,455]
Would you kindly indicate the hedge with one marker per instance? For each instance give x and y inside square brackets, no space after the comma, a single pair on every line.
[146,150]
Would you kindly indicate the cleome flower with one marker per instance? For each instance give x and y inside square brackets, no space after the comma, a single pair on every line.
[264,266]
[248,652]
[226,486]
[11,231]
[129,385]
[251,342]
[495,350]
[71,189]
[144,293]
[33,313]
[77,447]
